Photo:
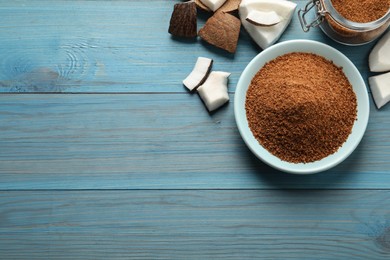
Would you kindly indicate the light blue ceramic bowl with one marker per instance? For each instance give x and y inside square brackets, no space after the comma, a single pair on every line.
[329,53]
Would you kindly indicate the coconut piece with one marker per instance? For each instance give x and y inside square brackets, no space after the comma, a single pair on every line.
[222,30]
[214,91]
[213,5]
[199,73]
[183,21]
[230,6]
[263,18]
[379,59]
[380,89]
[265,36]
[200,5]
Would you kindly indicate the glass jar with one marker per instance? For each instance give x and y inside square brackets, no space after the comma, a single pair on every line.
[340,29]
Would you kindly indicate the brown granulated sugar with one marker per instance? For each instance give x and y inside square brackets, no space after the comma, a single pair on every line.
[362,11]
[301,107]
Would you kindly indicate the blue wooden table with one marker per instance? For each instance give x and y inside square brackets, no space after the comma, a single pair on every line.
[105,155]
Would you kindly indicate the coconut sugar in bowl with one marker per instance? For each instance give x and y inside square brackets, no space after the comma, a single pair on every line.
[350,22]
[299,105]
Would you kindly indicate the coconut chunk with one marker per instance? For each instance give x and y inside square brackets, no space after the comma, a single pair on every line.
[222,30]
[213,5]
[199,73]
[380,89]
[200,5]
[183,21]
[230,6]
[265,36]
[263,18]
[214,91]
[379,59]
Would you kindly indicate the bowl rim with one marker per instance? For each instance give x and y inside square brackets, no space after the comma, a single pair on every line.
[353,75]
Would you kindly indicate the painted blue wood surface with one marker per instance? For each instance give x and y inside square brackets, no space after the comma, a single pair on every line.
[195,224]
[116,46]
[163,141]
[105,155]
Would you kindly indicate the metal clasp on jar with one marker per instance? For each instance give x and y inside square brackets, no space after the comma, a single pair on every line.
[321,11]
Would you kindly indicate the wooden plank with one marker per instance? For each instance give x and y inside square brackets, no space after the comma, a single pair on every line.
[155,141]
[116,46]
[195,224]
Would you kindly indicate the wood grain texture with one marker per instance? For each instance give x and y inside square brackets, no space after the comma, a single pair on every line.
[119,161]
[147,141]
[247,224]
[116,46]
